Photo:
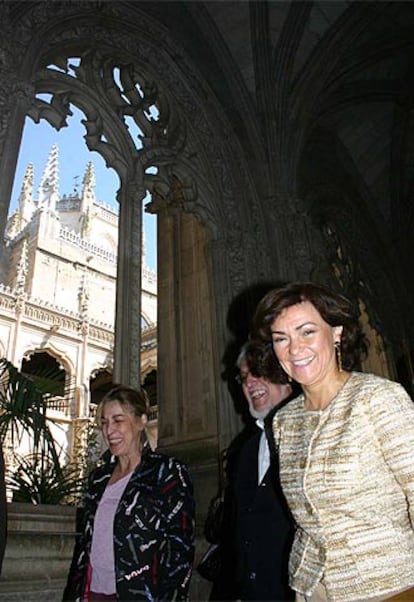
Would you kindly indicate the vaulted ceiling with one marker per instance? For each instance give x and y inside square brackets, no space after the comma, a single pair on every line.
[318,96]
[321,96]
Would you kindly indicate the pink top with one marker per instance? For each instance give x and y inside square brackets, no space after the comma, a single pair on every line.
[102,550]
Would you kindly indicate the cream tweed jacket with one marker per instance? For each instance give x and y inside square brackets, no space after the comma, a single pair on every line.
[348,476]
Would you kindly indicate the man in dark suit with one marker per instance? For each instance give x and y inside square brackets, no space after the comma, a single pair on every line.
[264,528]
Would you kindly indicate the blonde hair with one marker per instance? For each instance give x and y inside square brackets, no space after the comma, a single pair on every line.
[134,401]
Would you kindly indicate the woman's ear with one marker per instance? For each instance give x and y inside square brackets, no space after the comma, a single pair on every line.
[144,420]
[338,330]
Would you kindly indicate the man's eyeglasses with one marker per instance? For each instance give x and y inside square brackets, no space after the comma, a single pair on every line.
[241,379]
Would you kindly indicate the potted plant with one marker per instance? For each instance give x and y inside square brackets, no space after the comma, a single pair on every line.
[41,524]
[39,476]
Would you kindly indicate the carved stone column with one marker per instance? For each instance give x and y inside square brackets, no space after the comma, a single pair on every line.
[187,349]
[128,296]
[14,101]
[295,241]
[16,95]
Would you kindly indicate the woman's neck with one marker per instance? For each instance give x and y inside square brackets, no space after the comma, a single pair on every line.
[124,466]
[318,397]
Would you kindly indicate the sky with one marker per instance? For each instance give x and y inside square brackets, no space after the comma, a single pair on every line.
[74,156]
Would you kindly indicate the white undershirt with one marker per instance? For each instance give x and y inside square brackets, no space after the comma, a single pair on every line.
[264,453]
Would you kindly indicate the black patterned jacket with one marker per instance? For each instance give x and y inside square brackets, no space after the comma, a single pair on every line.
[153,531]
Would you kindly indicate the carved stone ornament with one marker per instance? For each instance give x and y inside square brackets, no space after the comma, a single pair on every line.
[178,92]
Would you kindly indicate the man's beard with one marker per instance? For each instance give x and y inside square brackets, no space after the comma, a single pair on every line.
[258,415]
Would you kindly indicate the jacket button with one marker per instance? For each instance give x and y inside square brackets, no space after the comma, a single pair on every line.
[252,576]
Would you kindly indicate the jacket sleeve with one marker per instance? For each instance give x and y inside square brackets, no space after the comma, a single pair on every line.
[177,556]
[77,571]
[392,414]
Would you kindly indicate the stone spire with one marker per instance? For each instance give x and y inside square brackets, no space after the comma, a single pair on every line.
[48,193]
[25,201]
[88,189]
[87,199]
[21,271]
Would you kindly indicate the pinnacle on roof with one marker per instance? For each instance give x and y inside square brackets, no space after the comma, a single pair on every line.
[25,201]
[88,192]
[49,184]
[89,177]
[27,184]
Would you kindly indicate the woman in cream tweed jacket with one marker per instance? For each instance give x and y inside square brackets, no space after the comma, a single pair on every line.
[346,453]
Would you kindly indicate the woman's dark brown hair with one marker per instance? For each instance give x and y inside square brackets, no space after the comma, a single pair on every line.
[334,308]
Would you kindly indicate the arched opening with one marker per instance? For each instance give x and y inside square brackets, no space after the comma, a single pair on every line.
[178,158]
[46,372]
[150,386]
[53,379]
[99,384]
[75,272]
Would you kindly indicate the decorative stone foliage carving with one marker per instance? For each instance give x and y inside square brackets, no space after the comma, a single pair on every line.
[145,78]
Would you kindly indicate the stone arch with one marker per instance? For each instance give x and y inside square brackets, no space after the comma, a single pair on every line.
[331,62]
[197,154]
[100,382]
[354,246]
[146,320]
[339,202]
[107,242]
[52,351]
[149,368]
[68,31]
[55,374]
[203,194]
[150,385]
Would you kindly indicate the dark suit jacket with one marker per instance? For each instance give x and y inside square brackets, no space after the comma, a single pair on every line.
[264,529]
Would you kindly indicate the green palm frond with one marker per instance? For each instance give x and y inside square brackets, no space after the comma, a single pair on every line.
[23,409]
[37,481]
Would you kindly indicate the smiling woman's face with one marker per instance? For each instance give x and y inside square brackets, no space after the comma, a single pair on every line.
[121,429]
[305,344]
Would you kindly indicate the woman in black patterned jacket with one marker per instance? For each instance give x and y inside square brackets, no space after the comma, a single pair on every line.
[137,541]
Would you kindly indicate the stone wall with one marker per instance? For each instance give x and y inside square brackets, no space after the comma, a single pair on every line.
[38,552]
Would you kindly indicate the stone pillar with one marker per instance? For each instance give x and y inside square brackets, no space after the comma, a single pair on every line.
[16,95]
[14,102]
[187,349]
[127,351]
[189,382]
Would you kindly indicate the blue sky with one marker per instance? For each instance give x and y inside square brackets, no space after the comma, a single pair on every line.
[74,156]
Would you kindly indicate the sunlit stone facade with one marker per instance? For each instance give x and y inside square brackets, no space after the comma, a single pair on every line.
[57,296]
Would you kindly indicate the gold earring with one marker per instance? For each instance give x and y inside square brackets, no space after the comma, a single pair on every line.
[338,355]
